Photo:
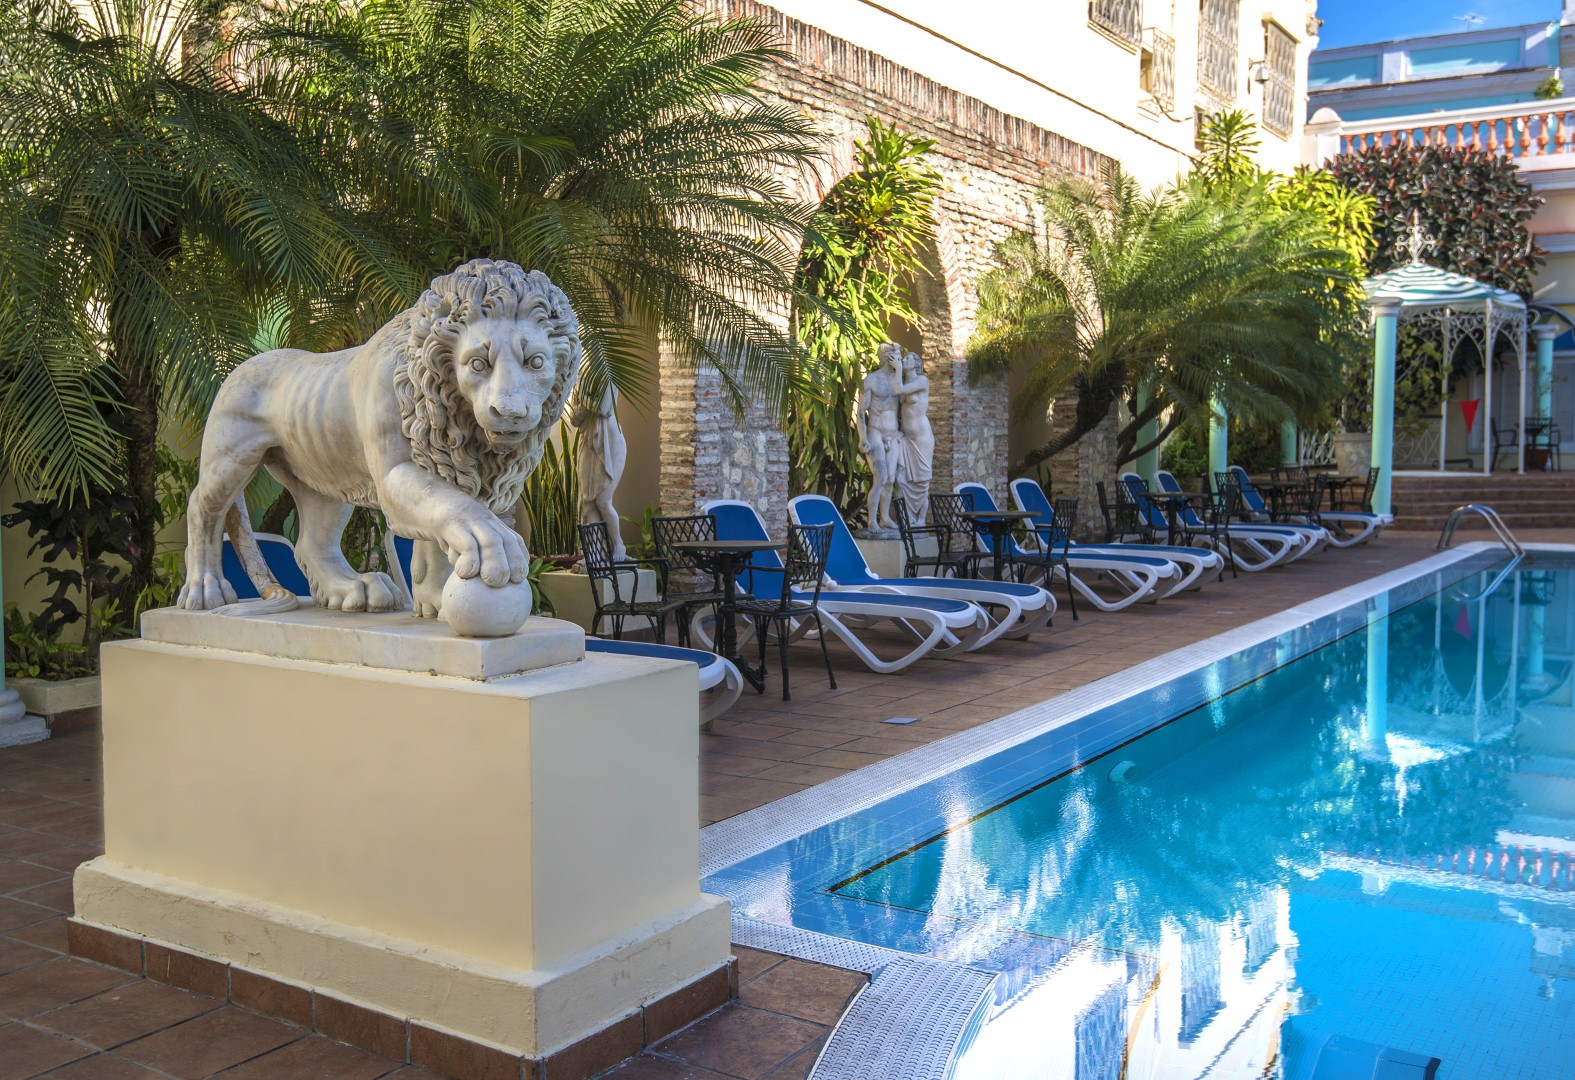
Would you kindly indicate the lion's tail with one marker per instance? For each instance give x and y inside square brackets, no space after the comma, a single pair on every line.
[275,598]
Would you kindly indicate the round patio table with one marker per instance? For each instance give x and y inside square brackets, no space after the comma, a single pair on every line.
[726,558]
[1174,502]
[998,524]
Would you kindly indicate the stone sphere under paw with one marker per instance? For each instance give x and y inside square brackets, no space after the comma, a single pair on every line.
[472,608]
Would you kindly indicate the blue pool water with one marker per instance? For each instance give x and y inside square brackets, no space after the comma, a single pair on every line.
[1361,830]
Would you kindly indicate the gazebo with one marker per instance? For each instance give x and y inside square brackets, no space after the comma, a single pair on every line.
[1463,309]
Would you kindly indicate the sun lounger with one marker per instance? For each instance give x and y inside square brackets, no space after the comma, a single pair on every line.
[1256,547]
[1016,610]
[1350,527]
[941,626]
[1143,577]
[720,682]
[1194,562]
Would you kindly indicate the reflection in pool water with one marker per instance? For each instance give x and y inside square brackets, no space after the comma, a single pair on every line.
[1371,842]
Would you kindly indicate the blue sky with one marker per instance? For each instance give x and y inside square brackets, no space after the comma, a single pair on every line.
[1357,22]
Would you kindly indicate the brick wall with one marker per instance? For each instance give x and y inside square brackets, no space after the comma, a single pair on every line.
[990,163]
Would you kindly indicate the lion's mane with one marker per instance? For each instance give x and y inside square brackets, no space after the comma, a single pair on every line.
[445,438]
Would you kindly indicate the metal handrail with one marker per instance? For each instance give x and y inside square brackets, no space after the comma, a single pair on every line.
[1487,514]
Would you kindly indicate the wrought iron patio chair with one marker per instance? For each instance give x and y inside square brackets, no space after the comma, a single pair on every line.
[616,574]
[1505,441]
[694,587]
[942,561]
[945,512]
[1124,522]
[799,602]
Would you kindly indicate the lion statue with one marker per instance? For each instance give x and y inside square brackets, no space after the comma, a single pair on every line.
[436,421]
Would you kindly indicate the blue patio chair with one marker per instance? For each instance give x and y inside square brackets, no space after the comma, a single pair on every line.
[1193,561]
[1016,610]
[1253,547]
[1345,528]
[942,626]
[1143,577]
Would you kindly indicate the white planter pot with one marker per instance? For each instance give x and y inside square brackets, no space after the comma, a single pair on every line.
[570,596]
[46,698]
[1353,452]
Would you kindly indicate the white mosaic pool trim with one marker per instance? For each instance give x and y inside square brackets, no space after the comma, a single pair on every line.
[941,1003]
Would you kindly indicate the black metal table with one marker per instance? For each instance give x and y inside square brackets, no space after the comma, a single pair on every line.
[725,558]
[999,525]
[1174,502]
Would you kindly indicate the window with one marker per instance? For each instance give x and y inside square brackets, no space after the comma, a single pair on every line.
[1219,35]
[1120,19]
[1279,92]
[1158,68]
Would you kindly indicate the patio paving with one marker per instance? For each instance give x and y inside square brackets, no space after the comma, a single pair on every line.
[70,1019]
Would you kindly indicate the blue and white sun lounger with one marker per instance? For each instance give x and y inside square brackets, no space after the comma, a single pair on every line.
[941,627]
[1351,527]
[1194,562]
[1016,610]
[716,673]
[1257,547]
[1143,576]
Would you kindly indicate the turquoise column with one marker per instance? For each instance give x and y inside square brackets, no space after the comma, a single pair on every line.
[1544,333]
[1290,453]
[1219,440]
[1386,313]
[1147,463]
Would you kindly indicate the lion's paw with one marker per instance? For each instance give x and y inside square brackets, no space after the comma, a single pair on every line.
[364,592]
[204,592]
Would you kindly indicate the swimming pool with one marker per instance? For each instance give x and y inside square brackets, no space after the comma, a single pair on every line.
[1356,829]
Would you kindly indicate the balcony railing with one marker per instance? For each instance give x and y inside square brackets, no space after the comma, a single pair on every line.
[1121,19]
[1525,131]
[1159,67]
[1219,37]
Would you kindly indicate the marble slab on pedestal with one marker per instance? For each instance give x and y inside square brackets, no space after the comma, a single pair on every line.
[394,640]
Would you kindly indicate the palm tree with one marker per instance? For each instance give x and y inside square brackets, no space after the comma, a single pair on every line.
[620,146]
[150,206]
[1184,295]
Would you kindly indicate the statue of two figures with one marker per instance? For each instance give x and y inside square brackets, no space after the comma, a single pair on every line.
[892,418]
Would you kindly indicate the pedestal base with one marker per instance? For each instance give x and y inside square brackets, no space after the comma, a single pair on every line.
[17,728]
[887,558]
[510,859]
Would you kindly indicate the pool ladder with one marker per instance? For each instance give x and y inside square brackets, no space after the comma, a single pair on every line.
[1487,514]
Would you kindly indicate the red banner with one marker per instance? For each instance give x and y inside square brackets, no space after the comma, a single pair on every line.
[1468,409]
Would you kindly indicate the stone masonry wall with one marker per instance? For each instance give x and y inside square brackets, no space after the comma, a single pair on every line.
[990,163]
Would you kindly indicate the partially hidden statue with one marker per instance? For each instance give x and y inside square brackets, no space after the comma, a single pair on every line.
[916,450]
[892,418]
[436,421]
[599,462]
[875,417]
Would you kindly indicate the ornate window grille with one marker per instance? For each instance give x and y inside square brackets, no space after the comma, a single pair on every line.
[1121,19]
[1279,93]
[1219,37]
[1158,71]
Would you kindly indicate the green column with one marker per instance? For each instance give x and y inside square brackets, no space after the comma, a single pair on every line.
[1544,333]
[1147,463]
[1290,453]
[1386,313]
[1219,439]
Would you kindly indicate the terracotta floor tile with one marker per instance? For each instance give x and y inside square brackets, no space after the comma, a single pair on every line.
[16,913]
[19,954]
[58,982]
[799,772]
[25,1052]
[842,759]
[803,990]
[211,1042]
[16,874]
[652,1067]
[104,1067]
[311,1057]
[67,858]
[741,1042]
[752,962]
[751,788]
[51,933]
[125,1013]
[55,895]
[799,1065]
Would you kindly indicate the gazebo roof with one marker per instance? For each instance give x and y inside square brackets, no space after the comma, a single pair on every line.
[1417,285]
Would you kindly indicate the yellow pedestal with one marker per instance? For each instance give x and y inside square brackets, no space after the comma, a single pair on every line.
[515,859]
